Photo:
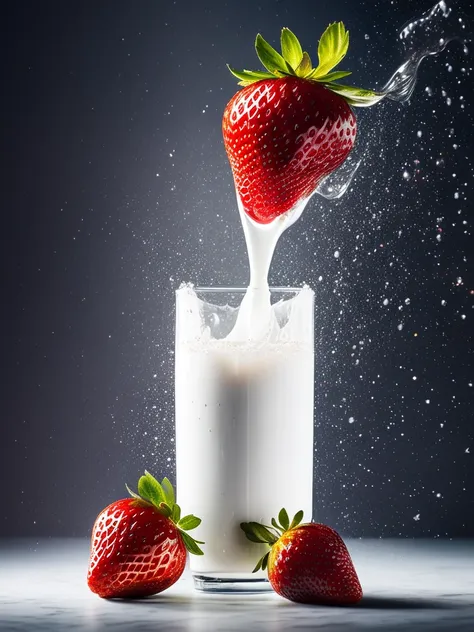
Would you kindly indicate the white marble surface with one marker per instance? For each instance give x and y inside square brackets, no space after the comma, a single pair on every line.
[408,585]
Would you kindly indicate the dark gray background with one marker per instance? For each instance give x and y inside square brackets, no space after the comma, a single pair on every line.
[116,188]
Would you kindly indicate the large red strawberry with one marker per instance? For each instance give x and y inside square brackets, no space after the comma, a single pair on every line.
[138,545]
[308,563]
[292,126]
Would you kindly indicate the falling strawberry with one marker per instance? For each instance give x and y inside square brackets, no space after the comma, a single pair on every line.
[292,126]
[138,545]
[308,563]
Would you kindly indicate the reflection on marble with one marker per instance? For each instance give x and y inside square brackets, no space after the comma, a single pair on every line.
[408,585]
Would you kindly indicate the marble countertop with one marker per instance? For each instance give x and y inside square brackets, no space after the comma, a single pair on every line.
[408,585]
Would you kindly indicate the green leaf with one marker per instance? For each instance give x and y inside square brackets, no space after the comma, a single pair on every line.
[189,522]
[291,48]
[258,533]
[270,58]
[253,538]
[169,492]
[277,526]
[150,489]
[283,518]
[136,496]
[332,76]
[175,513]
[297,519]
[191,544]
[305,66]
[359,97]
[262,562]
[250,76]
[332,47]
[165,509]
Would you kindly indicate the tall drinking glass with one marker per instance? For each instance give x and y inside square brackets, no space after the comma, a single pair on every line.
[244,425]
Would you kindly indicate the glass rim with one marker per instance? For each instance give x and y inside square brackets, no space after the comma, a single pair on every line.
[218,289]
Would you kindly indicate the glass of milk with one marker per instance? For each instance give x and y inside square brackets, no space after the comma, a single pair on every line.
[244,425]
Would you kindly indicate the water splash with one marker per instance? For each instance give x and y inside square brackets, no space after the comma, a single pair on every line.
[337,183]
[427,35]
[421,37]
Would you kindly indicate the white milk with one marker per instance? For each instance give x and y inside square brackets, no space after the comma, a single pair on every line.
[244,411]
[244,429]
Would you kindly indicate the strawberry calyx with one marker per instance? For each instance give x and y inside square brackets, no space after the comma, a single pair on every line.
[162,498]
[294,62]
[265,534]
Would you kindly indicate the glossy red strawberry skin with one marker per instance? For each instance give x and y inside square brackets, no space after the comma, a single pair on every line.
[135,551]
[282,137]
[311,564]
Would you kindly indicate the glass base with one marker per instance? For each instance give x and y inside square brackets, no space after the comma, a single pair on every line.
[230,583]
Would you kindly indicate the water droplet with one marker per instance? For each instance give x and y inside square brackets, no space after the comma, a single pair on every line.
[337,254]
[351,420]
[385,301]
[419,133]
[440,162]
[407,301]
[406,175]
